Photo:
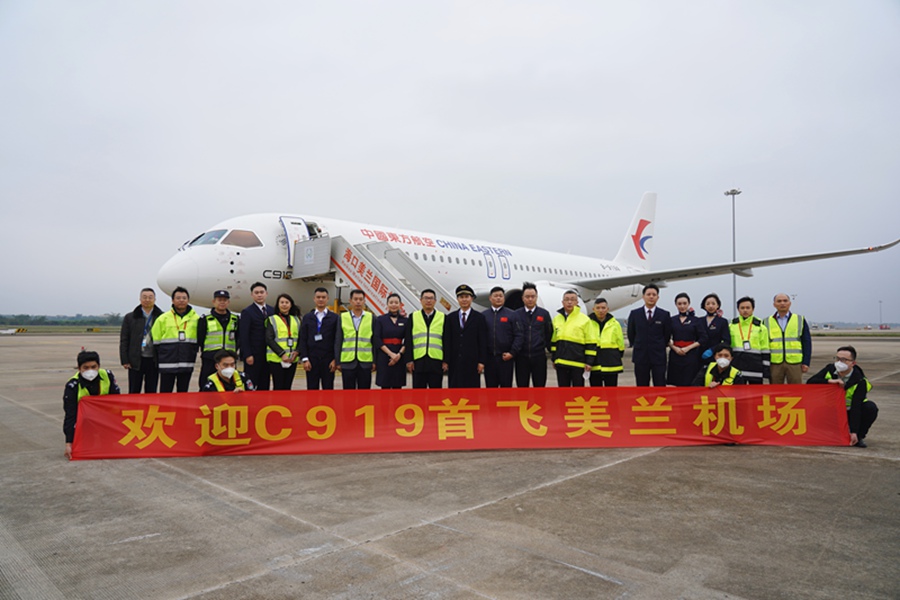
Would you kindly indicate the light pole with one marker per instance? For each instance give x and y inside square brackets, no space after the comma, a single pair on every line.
[733,193]
[880,320]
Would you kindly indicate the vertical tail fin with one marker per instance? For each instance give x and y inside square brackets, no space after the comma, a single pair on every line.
[635,248]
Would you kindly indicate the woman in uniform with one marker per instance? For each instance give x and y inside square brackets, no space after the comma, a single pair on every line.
[282,332]
[387,339]
[684,347]
[715,327]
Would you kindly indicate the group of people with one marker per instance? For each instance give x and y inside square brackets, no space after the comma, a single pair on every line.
[159,349]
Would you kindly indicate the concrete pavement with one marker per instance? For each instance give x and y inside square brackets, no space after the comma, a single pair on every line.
[697,522]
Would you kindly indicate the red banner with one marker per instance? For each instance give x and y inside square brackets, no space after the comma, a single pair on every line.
[302,422]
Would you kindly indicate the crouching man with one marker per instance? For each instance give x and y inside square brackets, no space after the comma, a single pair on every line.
[90,380]
[861,412]
[227,378]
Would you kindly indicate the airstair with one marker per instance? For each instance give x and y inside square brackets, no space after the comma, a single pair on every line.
[377,268]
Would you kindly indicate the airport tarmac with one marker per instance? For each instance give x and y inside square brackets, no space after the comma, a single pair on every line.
[689,522]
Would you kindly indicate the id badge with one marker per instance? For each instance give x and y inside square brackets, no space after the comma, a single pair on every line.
[290,342]
[746,344]
[144,343]
[181,336]
[318,337]
[230,336]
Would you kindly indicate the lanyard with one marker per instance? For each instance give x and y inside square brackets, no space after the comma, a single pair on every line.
[148,322]
[749,331]
[319,322]
[183,321]
[287,323]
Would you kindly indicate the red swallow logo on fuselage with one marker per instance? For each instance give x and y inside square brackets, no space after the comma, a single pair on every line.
[639,242]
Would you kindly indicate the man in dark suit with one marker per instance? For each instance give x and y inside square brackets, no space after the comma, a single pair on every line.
[504,341]
[465,342]
[536,326]
[318,331]
[649,332]
[252,336]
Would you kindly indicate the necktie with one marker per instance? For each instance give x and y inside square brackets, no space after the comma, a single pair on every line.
[649,315]
[463,319]
[263,308]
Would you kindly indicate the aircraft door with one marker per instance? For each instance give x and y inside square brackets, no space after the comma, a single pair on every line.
[491,266]
[504,268]
[294,231]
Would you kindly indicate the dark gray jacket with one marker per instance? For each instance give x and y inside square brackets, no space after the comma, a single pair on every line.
[131,335]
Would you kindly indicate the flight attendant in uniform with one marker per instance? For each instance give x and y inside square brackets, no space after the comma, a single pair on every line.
[388,340]
[715,327]
[684,347]
[282,339]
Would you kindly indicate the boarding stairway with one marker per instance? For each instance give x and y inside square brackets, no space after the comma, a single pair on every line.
[377,268]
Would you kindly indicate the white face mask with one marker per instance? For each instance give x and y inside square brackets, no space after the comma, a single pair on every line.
[90,374]
[841,366]
[227,372]
[723,362]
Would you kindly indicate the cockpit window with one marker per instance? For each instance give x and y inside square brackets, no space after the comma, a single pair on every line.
[209,238]
[242,238]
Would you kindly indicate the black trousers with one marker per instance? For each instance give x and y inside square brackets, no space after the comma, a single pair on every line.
[604,379]
[498,372]
[258,372]
[357,378]
[567,376]
[167,381]
[319,376]
[428,379]
[869,414]
[533,367]
[642,373]
[282,379]
[147,375]
[207,368]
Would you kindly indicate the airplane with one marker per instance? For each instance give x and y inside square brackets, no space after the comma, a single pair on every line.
[296,254]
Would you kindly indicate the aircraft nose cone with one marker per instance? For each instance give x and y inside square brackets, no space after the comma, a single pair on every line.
[180,270]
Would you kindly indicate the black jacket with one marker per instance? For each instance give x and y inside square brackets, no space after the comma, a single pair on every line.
[132,334]
[536,331]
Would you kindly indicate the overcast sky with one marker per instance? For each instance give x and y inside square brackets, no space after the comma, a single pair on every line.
[127,128]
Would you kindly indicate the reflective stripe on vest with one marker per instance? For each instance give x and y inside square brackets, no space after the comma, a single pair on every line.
[786,345]
[104,384]
[732,373]
[238,382]
[282,336]
[849,391]
[357,345]
[218,338]
[428,340]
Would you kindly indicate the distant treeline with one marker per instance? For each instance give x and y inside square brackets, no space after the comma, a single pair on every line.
[24,320]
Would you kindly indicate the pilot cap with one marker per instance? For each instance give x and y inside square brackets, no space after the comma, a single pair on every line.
[464,289]
[221,294]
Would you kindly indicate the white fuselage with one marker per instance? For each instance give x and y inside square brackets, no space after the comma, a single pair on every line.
[203,268]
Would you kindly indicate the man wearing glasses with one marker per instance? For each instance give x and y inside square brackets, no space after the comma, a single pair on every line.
[861,412]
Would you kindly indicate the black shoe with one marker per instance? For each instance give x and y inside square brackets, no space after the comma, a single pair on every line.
[862,444]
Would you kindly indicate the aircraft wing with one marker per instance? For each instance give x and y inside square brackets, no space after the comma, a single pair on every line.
[740,268]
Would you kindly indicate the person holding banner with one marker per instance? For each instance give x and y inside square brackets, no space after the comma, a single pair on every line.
[353,344]
[388,338]
[282,331]
[861,412]
[90,380]
[227,378]
[719,372]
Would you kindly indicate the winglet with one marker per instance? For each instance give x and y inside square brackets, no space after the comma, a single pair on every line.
[636,247]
